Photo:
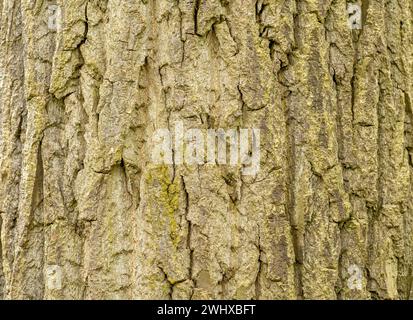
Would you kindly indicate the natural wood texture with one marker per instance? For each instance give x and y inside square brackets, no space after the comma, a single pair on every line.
[85,214]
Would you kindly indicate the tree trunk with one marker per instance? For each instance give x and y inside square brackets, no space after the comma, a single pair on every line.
[87,214]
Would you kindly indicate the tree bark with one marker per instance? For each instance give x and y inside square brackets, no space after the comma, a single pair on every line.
[86,214]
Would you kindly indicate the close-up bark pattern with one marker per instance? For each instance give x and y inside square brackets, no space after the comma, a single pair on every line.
[86,214]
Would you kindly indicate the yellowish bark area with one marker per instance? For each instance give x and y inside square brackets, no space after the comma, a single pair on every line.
[87,214]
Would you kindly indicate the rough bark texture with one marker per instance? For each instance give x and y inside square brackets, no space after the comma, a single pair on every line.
[86,215]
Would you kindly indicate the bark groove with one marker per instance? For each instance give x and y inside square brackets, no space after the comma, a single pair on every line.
[85,214]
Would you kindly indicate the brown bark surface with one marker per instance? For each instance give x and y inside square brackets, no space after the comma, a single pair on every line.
[86,214]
